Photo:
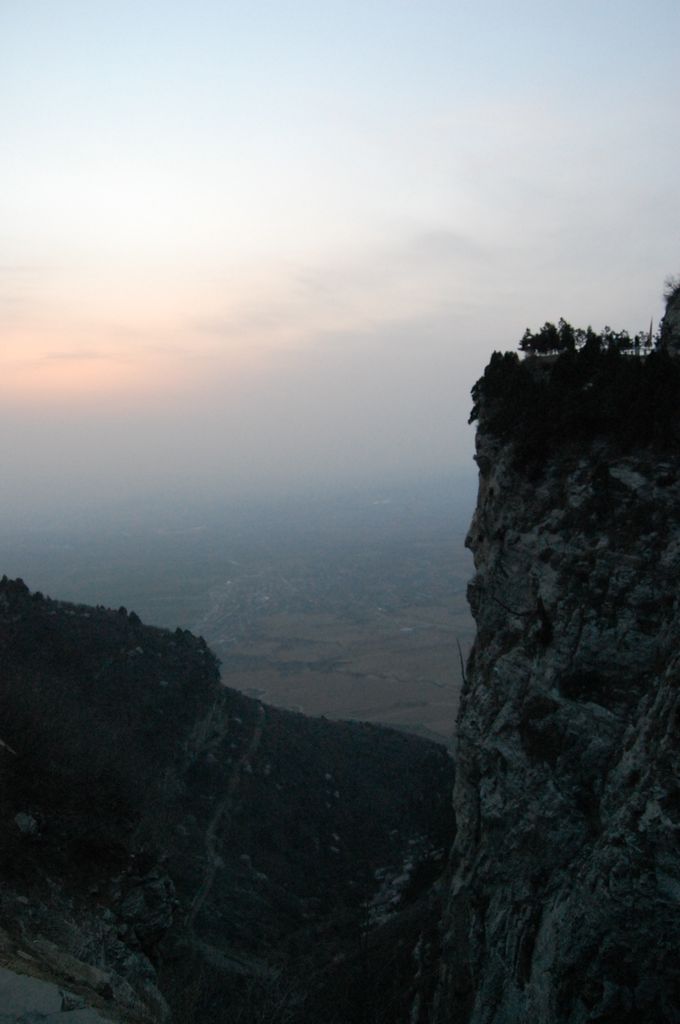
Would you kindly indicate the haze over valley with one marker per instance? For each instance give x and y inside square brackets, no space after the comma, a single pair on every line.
[350,605]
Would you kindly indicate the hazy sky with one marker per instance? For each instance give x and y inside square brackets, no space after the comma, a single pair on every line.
[248,246]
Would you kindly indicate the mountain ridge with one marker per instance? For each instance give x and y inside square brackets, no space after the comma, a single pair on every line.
[173,845]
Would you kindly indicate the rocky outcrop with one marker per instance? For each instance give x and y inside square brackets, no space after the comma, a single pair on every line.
[564,884]
[670,325]
[30,1001]
[72,943]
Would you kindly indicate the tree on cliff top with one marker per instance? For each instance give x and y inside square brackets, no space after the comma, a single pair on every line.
[597,388]
[549,340]
[552,340]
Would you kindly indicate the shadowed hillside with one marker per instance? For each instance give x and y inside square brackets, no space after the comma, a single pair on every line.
[180,845]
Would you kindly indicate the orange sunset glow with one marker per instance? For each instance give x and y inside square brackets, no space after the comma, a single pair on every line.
[289,244]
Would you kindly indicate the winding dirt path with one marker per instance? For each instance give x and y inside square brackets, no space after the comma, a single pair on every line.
[223,808]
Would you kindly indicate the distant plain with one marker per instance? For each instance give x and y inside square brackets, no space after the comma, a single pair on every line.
[348,606]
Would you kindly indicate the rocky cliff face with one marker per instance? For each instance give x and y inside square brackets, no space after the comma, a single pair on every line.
[670,325]
[564,885]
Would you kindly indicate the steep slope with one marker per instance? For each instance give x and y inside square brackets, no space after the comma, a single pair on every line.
[564,884]
[171,847]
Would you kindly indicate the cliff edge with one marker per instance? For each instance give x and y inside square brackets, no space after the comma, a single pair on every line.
[564,883]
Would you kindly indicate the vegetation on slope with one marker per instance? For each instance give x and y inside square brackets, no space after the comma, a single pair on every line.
[176,829]
[92,704]
[576,385]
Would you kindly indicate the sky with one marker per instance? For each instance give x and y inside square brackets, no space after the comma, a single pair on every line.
[249,248]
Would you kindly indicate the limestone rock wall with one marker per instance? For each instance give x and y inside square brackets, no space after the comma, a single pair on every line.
[564,885]
[670,325]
